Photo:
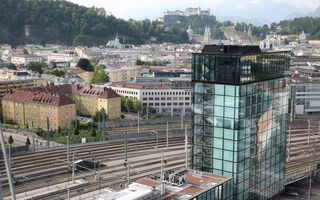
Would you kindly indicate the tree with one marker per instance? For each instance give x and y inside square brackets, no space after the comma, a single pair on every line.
[99,113]
[52,65]
[93,132]
[10,140]
[12,66]
[128,104]
[138,62]
[37,66]
[59,129]
[123,101]
[137,105]
[58,73]
[25,51]
[84,64]
[99,76]
[28,142]
[76,131]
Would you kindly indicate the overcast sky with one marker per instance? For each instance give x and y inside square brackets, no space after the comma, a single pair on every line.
[140,9]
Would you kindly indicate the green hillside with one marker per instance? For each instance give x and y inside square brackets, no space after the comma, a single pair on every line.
[59,21]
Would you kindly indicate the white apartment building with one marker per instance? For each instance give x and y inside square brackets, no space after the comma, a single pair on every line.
[62,57]
[25,59]
[163,99]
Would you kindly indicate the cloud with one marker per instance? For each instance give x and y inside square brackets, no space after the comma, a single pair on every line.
[313,4]
[255,2]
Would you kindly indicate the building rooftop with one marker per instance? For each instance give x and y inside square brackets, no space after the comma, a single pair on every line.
[88,90]
[230,49]
[25,55]
[38,98]
[141,86]
[184,184]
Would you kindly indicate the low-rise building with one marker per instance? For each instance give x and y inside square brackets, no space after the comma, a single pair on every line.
[165,100]
[89,99]
[85,75]
[304,95]
[12,79]
[125,73]
[25,59]
[35,109]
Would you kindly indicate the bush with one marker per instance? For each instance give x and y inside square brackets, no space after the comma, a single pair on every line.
[8,121]
[122,116]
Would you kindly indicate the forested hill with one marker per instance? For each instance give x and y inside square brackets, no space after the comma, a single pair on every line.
[62,22]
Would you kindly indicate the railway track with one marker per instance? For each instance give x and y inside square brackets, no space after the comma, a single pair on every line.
[47,158]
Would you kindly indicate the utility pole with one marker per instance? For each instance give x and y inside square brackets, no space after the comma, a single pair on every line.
[147,113]
[68,156]
[8,166]
[289,145]
[167,135]
[48,129]
[310,182]
[99,123]
[138,122]
[73,168]
[181,121]
[162,166]
[113,128]
[319,129]
[308,132]
[33,143]
[186,145]
[1,195]
[104,127]
[128,175]
[125,146]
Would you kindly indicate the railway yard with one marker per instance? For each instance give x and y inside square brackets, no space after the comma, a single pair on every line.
[45,174]
[44,170]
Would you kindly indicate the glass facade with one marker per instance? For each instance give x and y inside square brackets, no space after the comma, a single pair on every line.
[220,192]
[240,105]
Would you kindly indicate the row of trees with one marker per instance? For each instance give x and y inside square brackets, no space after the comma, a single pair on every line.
[11,140]
[153,63]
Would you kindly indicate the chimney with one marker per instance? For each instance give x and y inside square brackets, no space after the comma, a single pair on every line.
[90,86]
[78,86]
[104,88]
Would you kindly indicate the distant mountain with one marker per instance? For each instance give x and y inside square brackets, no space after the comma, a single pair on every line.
[236,19]
[315,13]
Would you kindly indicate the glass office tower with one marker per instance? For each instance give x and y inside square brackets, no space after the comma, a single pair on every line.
[240,105]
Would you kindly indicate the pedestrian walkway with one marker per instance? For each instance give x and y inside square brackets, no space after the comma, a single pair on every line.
[47,189]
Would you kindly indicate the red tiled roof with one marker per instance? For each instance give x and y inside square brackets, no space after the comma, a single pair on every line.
[191,178]
[38,98]
[25,55]
[191,190]
[79,71]
[149,182]
[101,92]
